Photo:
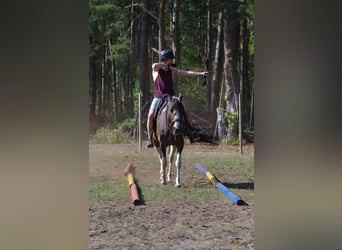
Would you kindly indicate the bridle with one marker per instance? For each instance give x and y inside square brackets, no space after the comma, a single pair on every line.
[177,119]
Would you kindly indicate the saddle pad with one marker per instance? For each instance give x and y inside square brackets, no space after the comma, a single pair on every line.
[161,105]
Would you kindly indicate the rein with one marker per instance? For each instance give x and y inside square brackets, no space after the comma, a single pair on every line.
[174,121]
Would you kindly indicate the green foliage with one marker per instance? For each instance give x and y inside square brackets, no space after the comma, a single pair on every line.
[107,135]
[193,36]
[233,123]
[136,92]
[194,95]
[114,33]
[127,125]
[106,20]
[121,49]
[234,141]
[232,118]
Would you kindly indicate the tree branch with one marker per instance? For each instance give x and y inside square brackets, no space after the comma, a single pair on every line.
[142,6]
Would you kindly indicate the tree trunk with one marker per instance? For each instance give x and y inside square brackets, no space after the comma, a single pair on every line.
[131,61]
[143,53]
[251,120]
[124,87]
[108,99]
[130,89]
[230,37]
[93,81]
[103,78]
[208,53]
[217,68]
[161,35]
[113,87]
[114,91]
[244,71]
[175,40]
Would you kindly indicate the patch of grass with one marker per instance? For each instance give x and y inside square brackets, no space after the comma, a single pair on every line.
[225,168]
[107,135]
[236,171]
[109,190]
[216,161]
[170,195]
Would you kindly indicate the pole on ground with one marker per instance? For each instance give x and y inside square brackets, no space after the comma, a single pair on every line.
[129,172]
[220,186]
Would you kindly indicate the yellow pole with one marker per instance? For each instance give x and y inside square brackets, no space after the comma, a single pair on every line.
[130,179]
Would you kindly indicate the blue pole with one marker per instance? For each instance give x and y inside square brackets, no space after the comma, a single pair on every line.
[229,194]
[200,168]
[222,188]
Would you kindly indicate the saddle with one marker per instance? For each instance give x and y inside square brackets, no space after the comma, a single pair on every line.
[161,105]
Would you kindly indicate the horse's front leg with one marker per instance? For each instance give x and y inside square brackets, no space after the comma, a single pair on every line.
[171,156]
[178,166]
[162,158]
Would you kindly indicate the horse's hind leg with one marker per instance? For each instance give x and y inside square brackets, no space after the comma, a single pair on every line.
[162,158]
[171,157]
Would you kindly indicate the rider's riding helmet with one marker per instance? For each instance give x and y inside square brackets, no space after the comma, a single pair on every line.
[166,54]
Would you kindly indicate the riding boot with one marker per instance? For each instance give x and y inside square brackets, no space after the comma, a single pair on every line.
[150,144]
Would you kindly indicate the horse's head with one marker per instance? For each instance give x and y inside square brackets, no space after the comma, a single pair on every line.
[176,115]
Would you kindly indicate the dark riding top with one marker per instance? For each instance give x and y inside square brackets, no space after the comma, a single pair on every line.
[163,84]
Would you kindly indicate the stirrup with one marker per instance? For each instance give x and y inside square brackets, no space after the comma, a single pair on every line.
[150,144]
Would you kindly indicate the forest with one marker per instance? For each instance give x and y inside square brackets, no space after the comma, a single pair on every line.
[125,37]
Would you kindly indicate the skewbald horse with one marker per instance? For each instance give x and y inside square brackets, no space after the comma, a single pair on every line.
[169,132]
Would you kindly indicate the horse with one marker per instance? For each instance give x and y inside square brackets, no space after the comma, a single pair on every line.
[169,131]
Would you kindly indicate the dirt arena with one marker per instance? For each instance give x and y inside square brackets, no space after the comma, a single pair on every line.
[195,216]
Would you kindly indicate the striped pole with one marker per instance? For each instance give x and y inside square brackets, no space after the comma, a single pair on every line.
[129,172]
[220,186]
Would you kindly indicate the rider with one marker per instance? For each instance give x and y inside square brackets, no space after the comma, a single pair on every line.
[162,73]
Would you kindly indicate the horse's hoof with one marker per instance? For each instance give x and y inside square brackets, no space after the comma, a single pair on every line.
[163,183]
[177,185]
